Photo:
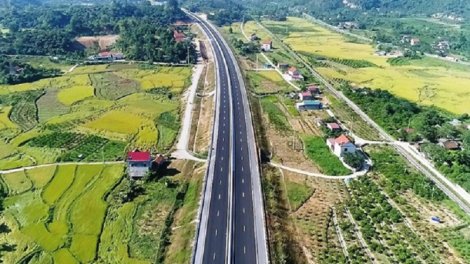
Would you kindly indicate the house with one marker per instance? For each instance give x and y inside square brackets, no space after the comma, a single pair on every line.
[319,122]
[107,56]
[159,160]
[405,39]
[348,25]
[313,89]
[414,41]
[443,45]
[341,145]
[449,144]
[308,105]
[304,96]
[267,45]
[179,36]
[455,123]
[267,65]
[283,66]
[138,163]
[333,126]
[294,74]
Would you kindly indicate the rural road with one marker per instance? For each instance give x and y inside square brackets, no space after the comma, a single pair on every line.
[231,227]
[454,192]
[181,151]
[269,61]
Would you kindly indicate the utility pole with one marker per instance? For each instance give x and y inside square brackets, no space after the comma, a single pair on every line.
[187,56]
[257,62]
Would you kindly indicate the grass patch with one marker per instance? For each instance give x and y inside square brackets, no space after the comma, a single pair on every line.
[297,194]
[41,176]
[317,150]
[275,115]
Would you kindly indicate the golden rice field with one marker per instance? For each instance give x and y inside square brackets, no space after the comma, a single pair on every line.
[70,104]
[174,77]
[429,82]
[5,122]
[72,95]
[58,212]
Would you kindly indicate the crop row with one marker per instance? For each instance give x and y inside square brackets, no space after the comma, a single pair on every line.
[383,228]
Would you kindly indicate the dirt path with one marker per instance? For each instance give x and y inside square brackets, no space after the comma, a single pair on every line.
[55,164]
[319,175]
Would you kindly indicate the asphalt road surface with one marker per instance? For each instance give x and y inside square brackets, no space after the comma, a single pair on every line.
[230,235]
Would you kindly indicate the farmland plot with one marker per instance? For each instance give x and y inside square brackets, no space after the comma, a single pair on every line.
[46,227]
[50,106]
[112,87]
[357,63]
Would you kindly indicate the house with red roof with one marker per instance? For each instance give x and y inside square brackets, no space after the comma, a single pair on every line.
[314,89]
[294,74]
[304,96]
[341,145]
[138,163]
[108,56]
[333,126]
[267,45]
[179,36]
[414,41]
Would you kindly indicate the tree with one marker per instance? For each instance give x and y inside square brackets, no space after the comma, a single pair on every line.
[353,159]
[230,30]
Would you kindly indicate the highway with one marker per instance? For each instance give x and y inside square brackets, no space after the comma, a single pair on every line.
[231,223]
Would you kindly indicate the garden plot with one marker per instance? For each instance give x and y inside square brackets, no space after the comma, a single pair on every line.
[313,218]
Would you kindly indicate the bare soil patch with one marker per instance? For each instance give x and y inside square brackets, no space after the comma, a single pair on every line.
[91,41]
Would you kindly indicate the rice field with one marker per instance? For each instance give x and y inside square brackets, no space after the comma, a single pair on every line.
[110,102]
[175,78]
[427,81]
[61,217]
[75,94]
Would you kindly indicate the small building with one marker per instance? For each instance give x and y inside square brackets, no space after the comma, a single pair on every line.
[341,145]
[179,36]
[319,122]
[308,105]
[455,122]
[304,96]
[333,126]
[107,56]
[253,37]
[283,66]
[267,45]
[138,163]
[414,41]
[405,39]
[449,145]
[294,74]
[314,89]
[267,65]
[443,45]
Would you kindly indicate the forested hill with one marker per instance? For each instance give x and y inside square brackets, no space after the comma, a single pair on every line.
[397,7]
[414,6]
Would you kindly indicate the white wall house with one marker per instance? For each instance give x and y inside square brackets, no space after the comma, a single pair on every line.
[267,45]
[341,145]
